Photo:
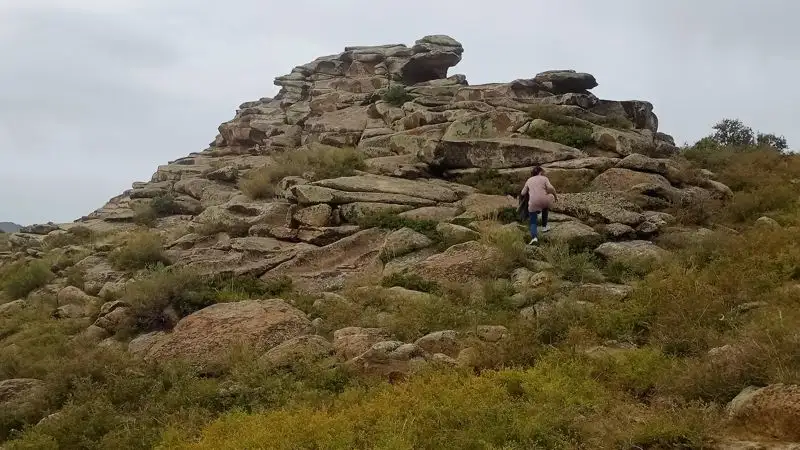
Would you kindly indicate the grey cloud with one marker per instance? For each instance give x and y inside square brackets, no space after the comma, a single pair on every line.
[94,97]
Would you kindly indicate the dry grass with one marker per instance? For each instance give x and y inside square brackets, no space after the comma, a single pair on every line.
[316,162]
[140,250]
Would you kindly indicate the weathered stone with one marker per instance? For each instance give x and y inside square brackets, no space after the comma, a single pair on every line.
[482,206]
[353,212]
[624,180]
[326,268]
[497,153]
[772,411]
[310,194]
[632,253]
[299,350]
[354,341]
[574,234]
[563,81]
[314,216]
[16,394]
[456,234]
[322,236]
[460,263]
[599,207]
[434,213]
[445,342]
[403,241]
[13,307]
[205,337]
[435,192]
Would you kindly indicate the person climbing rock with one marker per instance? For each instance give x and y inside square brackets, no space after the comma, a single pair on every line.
[538,191]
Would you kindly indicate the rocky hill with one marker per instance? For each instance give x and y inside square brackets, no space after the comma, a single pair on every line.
[371,192]
[9,227]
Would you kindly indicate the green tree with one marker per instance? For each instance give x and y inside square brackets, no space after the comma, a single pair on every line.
[733,132]
[772,140]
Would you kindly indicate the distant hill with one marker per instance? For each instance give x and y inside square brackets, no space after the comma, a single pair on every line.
[9,227]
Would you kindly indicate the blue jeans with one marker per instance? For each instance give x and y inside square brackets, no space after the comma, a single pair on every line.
[534,222]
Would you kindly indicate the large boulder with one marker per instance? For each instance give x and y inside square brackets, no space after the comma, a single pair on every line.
[599,207]
[632,253]
[772,411]
[327,268]
[403,241]
[574,234]
[460,263]
[564,81]
[18,394]
[497,153]
[389,358]
[354,341]
[310,349]
[206,337]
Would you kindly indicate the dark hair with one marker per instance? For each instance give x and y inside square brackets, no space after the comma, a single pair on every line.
[536,170]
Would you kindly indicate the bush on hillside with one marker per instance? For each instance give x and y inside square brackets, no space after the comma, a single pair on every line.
[316,162]
[518,409]
[570,135]
[392,221]
[492,182]
[21,278]
[165,205]
[140,250]
[396,95]
[558,115]
[78,235]
[184,292]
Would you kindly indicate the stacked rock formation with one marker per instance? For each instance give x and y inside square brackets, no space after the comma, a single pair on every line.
[441,128]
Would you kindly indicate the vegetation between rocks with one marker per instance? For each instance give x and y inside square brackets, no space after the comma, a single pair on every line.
[313,162]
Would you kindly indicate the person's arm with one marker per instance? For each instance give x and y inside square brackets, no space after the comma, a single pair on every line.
[524,189]
[551,190]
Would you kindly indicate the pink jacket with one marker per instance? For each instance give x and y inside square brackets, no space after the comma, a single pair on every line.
[536,188]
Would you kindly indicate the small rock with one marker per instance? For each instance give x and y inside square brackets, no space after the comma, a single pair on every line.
[314,216]
[302,349]
[14,307]
[492,333]
[767,222]
[456,234]
[402,242]
[353,341]
[440,342]
[772,411]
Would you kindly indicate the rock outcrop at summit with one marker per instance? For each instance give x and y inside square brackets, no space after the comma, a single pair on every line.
[415,136]
[420,131]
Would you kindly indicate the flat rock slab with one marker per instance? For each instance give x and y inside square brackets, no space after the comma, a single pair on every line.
[205,338]
[632,253]
[435,192]
[307,194]
[599,207]
[326,268]
[499,153]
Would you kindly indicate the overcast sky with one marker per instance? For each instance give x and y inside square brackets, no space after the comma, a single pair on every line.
[95,94]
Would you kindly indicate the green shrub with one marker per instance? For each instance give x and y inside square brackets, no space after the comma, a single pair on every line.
[165,205]
[185,292]
[78,235]
[492,182]
[140,250]
[391,221]
[315,161]
[145,215]
[411,281]
[20,279]
[237,229]
[614,121]
[555,404]
[396,95]
[570,135]
[580,267]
